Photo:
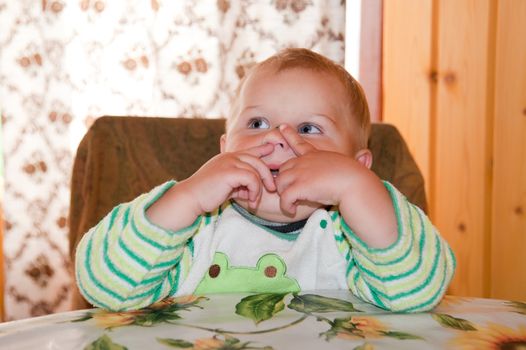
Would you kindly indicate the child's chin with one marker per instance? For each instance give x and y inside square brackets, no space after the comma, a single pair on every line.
[271,212]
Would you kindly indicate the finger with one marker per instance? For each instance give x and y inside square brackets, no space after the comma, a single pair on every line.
[240,193]
[288,201]
[260,150]
[289,165]
[243,194]
[254,165]
[298,144]
[246,178]
[285,179]
[287,194]
[262,169]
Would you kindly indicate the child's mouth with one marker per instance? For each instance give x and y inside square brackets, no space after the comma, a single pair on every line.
[274,172]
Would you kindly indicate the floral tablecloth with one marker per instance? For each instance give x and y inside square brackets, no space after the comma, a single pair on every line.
[318,320]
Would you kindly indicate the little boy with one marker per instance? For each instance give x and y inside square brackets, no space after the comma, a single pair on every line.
[289,204]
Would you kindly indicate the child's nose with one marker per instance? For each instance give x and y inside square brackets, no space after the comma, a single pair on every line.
[275,137]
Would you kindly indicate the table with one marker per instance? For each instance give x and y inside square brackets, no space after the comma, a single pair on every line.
[317,320]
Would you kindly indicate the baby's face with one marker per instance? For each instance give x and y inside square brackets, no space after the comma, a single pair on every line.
[311,102]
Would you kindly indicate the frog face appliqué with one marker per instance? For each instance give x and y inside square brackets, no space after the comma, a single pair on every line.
[268,276]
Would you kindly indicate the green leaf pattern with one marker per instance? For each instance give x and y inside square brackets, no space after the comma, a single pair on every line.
[453,322]
[104,343]
[260,307]
[215,343]
[400,335]
[355,325]
[309,303]
[518,306]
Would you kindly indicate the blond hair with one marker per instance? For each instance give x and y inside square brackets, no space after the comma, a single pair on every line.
[303,58]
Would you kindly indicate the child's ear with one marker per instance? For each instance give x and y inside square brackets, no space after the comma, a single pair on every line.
[365,157]
[222,141]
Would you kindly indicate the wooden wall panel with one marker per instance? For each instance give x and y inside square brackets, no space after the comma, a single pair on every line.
[509,181]
[460,179]
[406,74]
[371,55]
[473,110]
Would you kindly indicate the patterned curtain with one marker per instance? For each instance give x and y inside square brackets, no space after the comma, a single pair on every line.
[63,63]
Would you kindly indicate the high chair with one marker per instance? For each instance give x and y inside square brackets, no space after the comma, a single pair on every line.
[122,157]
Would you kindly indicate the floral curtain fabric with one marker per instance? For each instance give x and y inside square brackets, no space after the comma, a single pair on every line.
[63,63]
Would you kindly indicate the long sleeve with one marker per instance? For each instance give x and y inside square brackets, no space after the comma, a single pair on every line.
[126,262]
[412,274]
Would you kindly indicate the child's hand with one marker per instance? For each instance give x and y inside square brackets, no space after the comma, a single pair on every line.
[315,176]
[331,178]
[232,175]
[227,175]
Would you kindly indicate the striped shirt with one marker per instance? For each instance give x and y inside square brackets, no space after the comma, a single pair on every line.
[126,262]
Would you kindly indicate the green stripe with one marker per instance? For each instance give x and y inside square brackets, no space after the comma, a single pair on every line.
[349,231]
[132,255]
[190,245]
[434,297]
[168,263]
[285,236]
[408,251]
[151,280]
[375,297]
[112,267]
[157,293]
[90,297]
[141,296]
[453,258]
[171,280]
[395,277]
[114,213]
[173,262]
[394,196]
[193,227]
[175,282]
[377,300]
[419,287]
[146,239]
[126,217]
[92,277]
[349,266]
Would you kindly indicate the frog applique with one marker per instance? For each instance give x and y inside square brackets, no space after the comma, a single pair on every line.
[267,277]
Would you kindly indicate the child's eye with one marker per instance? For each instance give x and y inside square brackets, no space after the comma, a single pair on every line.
[309,129]
[258,123]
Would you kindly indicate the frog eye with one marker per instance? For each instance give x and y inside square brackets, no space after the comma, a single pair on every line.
[271,271]
[214,270]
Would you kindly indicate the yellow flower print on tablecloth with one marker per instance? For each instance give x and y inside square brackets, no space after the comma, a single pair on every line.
[453,304]
[362,327]
[214,343]
[181,301]
[208,344]
[107,319]
[166,310]
[494,337]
